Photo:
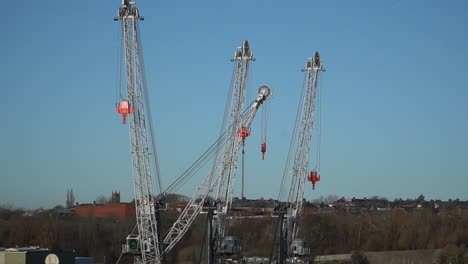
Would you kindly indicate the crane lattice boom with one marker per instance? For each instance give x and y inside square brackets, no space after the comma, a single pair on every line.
[300,146]
[142,145]
[222,173]
[203,191]
[228,161]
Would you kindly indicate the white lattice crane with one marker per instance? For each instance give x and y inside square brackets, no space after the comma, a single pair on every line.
[235,128]
[135,104]
[297,165]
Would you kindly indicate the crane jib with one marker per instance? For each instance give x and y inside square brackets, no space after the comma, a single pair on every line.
[145,245]
[297,164]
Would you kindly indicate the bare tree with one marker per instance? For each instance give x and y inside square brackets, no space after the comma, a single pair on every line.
[420,198]
[70,199]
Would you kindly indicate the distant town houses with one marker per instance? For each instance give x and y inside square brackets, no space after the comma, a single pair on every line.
[262,207]
[364,205]
[251,208]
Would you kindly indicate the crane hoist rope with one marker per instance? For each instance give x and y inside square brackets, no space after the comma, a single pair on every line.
[292,145]
[319,124]
[118,74]
[264,125]
[319,135]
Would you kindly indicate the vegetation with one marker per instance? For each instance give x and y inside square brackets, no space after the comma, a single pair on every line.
[393,230]
[70,202]
[332,233]
[86,236]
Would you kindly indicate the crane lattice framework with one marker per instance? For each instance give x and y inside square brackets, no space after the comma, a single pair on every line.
[242,59]
[142,144]
[301,145]
[222,173]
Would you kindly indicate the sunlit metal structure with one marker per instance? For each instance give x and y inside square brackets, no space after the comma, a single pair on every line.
[144,245]
[297,164]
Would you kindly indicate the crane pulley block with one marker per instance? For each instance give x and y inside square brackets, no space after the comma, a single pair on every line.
[263,150]
[243,133]
[314,177]
[124,108]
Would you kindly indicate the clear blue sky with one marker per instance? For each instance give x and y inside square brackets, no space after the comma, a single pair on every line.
[395,112]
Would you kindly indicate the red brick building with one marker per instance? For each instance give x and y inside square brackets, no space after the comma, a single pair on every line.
[114,209]
[119,210]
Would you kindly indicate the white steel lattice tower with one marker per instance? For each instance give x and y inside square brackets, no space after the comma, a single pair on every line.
[242,59]
[300,146]
[142,145]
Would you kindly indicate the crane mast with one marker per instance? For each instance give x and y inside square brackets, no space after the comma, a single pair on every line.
[242,59]
[300,146]
[222,173]
[142,144]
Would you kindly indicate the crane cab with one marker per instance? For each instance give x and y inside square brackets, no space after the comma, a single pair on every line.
[229,246]
[132,246]
[299,247]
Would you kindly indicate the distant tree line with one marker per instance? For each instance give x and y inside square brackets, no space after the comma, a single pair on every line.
[332,233]
[86,236]
[388,231]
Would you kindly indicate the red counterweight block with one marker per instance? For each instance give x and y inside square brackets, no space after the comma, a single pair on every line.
[243,133]
[314,177]
[124,108]
[263,150]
